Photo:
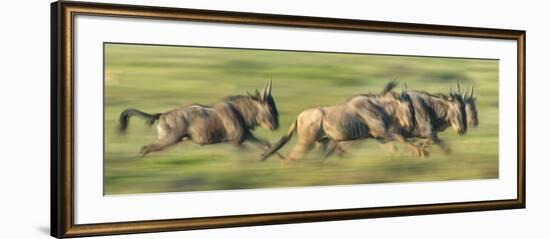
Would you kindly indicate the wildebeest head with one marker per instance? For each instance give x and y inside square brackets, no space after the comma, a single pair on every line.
[456,112]
[471,108]
[266,115]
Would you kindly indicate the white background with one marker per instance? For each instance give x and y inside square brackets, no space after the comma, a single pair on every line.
[24,95]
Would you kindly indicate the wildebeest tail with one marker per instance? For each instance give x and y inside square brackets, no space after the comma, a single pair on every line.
[124,118]
[274,148]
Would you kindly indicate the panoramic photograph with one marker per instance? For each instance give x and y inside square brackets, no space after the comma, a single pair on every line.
[190,118]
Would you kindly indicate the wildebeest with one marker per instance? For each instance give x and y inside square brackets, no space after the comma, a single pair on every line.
[231,120]
[463,110]
[379,116]
[436,113]
[428,114]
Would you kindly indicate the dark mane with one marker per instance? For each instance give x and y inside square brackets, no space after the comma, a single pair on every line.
[435,95]
[242,101]
[387,90]
[200,105]
[442,96]
[239,97]
[243,105]
[376,95]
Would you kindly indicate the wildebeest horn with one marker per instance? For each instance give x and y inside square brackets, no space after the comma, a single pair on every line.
[458,87]
[472,92]
[267,91]
[465,95]
[268,88]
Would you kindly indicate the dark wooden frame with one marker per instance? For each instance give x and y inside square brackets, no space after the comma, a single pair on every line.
[62,96]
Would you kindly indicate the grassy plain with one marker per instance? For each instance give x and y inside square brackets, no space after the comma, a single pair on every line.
[160,78]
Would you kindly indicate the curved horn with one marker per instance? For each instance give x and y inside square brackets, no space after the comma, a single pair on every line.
[458,86]
[472,92]
[465,95]
[266,91]
[268,88]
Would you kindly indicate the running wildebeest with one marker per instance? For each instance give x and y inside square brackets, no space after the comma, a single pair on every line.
[435,113]
[231,120]
[359,117]
[470,120]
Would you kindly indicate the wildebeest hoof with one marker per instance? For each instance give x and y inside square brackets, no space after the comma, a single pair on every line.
[144,150]
[425,153]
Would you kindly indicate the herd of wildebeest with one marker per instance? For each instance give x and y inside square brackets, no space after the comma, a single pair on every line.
[412,118]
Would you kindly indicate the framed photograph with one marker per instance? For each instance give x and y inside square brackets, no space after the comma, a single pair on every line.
[170,119]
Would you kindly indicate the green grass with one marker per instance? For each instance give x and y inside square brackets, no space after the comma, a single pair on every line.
[159,78]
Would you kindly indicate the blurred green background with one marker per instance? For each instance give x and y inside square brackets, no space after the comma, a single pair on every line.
[160,78]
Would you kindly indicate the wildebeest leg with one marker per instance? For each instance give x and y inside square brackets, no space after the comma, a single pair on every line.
[158,145]
[309,131]
[322,145]
[342,150]
[299,150]
[242,147]
[389,146]
[422,143]
[378,129]
[344,146]
[166,136]
[308,135]
[331,147]
[436,140]
[419,151]
[262,143]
